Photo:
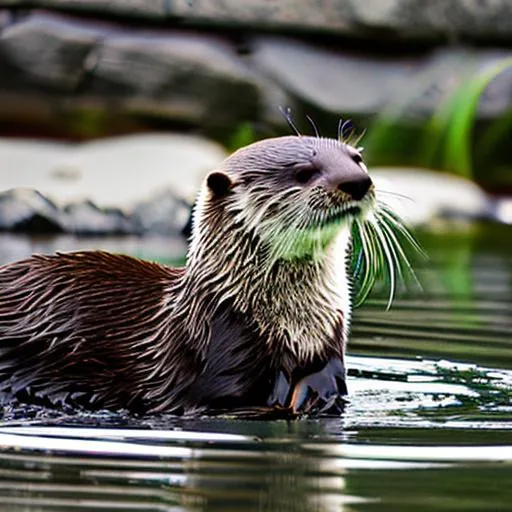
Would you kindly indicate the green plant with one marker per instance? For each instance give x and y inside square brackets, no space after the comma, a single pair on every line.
[243,135]
[460,114]
[445,141]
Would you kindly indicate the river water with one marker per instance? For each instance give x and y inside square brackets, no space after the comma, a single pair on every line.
[428,425]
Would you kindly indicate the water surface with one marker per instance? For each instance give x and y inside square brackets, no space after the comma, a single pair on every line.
[428,425]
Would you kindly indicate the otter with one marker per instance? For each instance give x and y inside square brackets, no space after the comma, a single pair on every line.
[256,320]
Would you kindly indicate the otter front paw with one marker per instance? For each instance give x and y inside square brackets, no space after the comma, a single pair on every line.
[321,392]
[314,404]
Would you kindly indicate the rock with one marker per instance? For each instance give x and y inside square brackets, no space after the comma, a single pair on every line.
[371,19]
[5,18]
[132,8]
[114,172]
[377,20]
[420,195]
[442,72]
[28,211]
[502,209]
[438,20]
[164,213]
[268,14]
[87,219]
[132,184]
[333,81]
[46,50]
[121,171]
[389,19]
[29,164]
[188,78]
[343,83]
[193,79]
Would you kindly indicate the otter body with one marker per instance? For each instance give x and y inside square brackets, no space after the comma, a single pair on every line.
[256,320]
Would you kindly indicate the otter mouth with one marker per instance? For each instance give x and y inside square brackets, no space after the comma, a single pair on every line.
[338,215]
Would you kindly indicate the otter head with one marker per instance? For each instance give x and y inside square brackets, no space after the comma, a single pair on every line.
[271,237]
[293,194]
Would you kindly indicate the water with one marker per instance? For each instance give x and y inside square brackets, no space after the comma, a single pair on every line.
[428,425]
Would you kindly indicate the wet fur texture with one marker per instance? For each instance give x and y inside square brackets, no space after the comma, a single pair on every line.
[97,330]
[258,317]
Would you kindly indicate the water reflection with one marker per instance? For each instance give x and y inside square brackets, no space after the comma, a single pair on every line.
[300,471]
[214,475]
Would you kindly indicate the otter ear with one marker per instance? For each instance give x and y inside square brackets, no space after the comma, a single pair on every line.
[219,183]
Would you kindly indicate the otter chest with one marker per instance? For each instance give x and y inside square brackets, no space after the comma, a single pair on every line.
[243,368]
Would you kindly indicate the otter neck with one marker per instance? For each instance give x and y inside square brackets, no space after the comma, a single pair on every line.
[297,304]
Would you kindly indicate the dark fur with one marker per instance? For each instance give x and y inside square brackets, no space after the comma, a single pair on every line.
[70,325]
[76,329]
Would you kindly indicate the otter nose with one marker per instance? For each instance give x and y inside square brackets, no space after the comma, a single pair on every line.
[356,186]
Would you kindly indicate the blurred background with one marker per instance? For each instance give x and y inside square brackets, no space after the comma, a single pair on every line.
[112,111]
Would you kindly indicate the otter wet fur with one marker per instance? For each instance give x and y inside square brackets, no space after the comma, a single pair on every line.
[256,320]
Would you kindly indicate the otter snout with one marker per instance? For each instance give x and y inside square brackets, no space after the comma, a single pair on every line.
[343,170]
[356,186]
[351,180]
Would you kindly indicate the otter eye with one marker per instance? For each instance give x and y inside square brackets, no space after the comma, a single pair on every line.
[305,174]
[357,158]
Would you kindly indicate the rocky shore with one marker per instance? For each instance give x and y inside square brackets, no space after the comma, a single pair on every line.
[87,69]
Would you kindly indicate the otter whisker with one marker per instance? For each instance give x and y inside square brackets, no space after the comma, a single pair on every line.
[403,260]
[315,128]
[381,255]
[395,194]
[286,112]
[389,261]
[365,270]
[396,223]
[346,134]
[354,140]
[394,242]
[340,129]
[346,129]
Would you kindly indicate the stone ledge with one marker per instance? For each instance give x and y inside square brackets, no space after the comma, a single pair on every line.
[414,20]
[196,79]
[133,184]
[60,69]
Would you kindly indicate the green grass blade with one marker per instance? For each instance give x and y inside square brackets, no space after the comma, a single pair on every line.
[458,143]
